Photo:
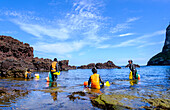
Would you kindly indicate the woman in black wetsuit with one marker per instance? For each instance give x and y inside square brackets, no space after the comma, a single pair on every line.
[132,67]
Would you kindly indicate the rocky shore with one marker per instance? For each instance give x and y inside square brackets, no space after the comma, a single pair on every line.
[162,58]
[16,57]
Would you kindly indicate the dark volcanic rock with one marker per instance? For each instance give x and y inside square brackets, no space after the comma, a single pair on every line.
[166,47]
[16,57]
[107,65]
[162,58]
[41,64]
[63,65]
[89,66]
[10,47]
[72,67]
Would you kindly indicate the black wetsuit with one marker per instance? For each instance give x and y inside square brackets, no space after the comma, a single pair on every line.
[132,67]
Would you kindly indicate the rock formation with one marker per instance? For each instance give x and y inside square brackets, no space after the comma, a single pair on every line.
[106,65]
[16,57]
[162,58]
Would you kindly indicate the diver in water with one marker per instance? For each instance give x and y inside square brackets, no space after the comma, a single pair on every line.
[54,68]
[28,74]
[132,68]
[95,80]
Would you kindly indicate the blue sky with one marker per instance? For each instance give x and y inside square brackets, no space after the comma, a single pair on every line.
[86,31]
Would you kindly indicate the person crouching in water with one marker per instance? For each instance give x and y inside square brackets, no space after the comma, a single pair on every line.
[54,68]
[95,80]
[132,68]
[28,74]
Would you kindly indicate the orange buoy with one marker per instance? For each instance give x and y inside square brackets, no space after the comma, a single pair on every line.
[47,78]
[138,77]
[85,83]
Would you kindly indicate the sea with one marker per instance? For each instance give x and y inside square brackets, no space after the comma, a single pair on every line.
[69,93]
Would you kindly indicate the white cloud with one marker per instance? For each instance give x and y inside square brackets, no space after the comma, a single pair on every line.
[138,40]
[13,13]
[123,26]
[8,32]
[82,53]
[59,48]
[127,34]
[79,27]
[119,27]
[132,19]
[40,31]
[103,46]
[150,44]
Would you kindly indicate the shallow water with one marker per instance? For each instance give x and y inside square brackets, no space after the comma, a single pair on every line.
[154,83]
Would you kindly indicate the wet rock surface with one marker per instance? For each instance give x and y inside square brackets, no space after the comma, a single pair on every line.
[7,95]
[77,95]
[162,58]
[112,101]
[158,103]
[107,65]
[123,101]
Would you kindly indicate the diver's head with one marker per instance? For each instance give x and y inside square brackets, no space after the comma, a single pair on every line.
[130,61]
[94,70]
[55,59]
[28,70]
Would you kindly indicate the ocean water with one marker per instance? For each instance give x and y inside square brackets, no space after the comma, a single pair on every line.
[39,94]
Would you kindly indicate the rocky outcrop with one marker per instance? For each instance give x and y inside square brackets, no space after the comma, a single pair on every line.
[12,48]
[89,66]
[16,57]
[162,58]
[106,65]
[63,65]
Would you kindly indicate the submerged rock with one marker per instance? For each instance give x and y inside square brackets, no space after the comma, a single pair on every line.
[122,101]
[7,95]
[77,95]
[158,103]
[162,58]
[112,101]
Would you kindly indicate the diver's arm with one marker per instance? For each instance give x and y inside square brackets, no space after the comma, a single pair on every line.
[50,67]
[136,65]
[101,81]
[89,81]
[127,66]
[57,69]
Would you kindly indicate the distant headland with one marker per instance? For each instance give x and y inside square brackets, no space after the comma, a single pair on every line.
[162,58]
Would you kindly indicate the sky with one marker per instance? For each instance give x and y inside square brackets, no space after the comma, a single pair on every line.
[88,31]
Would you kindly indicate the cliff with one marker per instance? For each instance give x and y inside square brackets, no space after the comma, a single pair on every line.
[162,58]
[16,57]
[106,65]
